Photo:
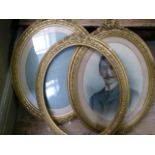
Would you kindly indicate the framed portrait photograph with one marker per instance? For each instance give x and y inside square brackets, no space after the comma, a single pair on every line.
[98,88]
[32,45]
[74,96]
[96,95]
[139,64]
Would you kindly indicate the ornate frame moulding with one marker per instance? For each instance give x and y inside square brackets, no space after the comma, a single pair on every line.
[26,54]
[113,34]
[103,49]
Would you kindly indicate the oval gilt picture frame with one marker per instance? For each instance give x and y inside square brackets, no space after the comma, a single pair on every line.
[104,50]
[29,51]
[139,65]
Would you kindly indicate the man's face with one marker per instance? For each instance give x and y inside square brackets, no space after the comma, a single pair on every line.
[107,73]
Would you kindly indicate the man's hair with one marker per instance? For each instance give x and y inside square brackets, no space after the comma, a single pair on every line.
[103,58]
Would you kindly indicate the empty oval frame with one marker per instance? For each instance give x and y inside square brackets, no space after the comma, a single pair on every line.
[139,65]
[29,51]
[73,85]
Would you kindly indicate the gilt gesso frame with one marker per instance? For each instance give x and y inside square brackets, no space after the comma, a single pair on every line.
[20,57]
[114,35]
[103,49]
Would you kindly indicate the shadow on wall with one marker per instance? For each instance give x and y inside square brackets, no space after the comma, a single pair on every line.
[7,108]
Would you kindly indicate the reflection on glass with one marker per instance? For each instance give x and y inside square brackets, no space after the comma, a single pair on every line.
[41,42]
[52,88]
[31,70]
[56,92]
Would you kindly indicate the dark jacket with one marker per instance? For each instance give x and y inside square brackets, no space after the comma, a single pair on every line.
[105,101]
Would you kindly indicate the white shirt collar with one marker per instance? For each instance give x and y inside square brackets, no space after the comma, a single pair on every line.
[112,86]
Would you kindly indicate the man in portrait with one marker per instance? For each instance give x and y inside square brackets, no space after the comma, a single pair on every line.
[107,99]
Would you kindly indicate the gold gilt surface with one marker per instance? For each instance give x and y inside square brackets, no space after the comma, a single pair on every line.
[18,51]
[116,31]
[92,42]
[28,124]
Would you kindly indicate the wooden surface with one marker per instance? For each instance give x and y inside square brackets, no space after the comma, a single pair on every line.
[147,125]
[26,124]
[144,27]
[99,22]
